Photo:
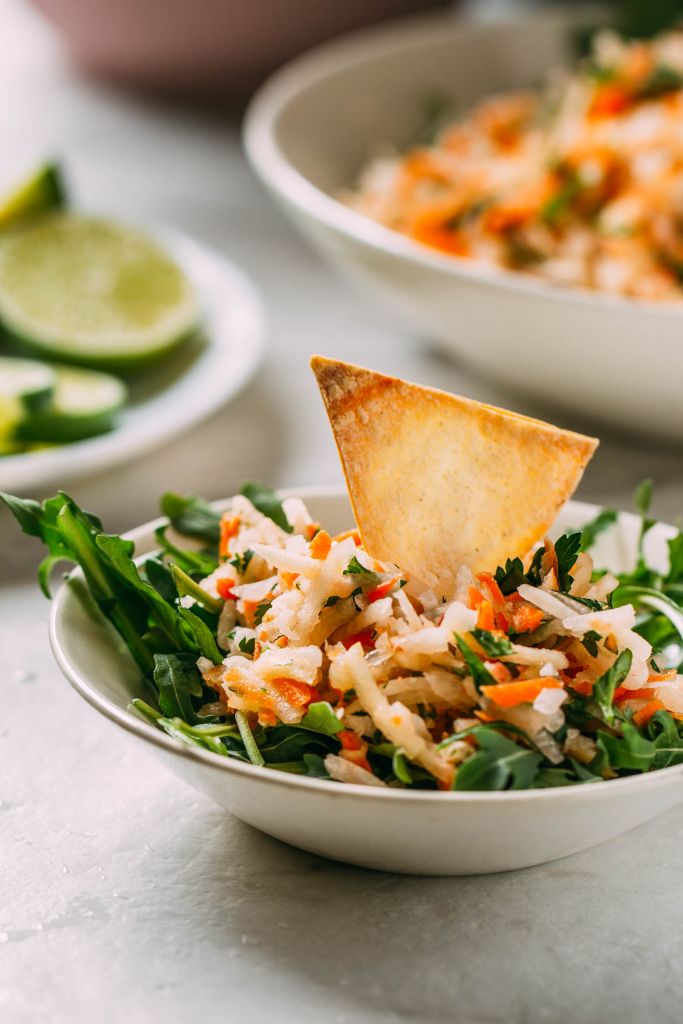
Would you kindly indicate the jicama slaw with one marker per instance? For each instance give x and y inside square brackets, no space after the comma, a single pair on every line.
[270,641]
[578,183]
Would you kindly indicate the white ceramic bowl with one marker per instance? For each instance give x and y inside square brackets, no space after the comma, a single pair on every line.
[427,833]
[315,123]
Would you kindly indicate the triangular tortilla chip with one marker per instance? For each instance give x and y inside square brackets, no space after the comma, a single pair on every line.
[437,481]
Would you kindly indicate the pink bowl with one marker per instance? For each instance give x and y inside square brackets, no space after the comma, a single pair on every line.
[205,47]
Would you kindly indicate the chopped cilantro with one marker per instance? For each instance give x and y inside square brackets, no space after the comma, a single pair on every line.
[590,642]
[261,610]
[354,568]
[241,561]
[567,548]
[247,645]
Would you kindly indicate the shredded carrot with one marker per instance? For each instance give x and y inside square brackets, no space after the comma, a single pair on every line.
[289,579]
[294,692]
[311,529]
[486,618]
[502,623]
[609,99]
[349,533]
[474,598]
[526,618]
[483,716]
[643,716]
[229,527]
[267,717]
[500,672]
[662,677]
[509,695]
[494,590]
[320,545]
[224,589]
[282,641]
[382,590]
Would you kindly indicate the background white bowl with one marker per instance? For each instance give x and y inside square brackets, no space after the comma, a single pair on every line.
[314,124]
[427,833]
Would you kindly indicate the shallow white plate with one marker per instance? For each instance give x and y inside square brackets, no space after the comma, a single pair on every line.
[427,833]
[317,121]
[185,388]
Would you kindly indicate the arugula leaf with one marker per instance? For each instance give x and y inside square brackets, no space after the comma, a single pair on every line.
[315,766]
[494,646]
[160,577]
[591,531]
[321,718]
[675,546]
[192,562]
[603,690]
[178,680]
[500,763]
[400,768]
[480,674]
[268,503]
[282,743]
[202,635]
[567,550]
[192,516]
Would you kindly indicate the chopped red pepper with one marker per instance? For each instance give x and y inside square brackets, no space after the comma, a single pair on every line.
[223,587]
[365,637]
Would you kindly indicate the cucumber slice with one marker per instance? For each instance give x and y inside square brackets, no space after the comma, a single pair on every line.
[84,403]
[25,388]
[43,191]
[29,382]
[87,291]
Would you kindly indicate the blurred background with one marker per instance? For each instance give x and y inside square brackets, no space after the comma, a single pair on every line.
[140,103]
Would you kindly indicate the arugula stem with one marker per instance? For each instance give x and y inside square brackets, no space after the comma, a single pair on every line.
[186,585]
[247,735]
[87,556]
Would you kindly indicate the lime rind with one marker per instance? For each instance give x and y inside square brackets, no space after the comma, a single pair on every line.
[43,191]
[84,403]
[87,291]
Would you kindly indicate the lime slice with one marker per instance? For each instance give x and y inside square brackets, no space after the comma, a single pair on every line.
[87,291]
[43,191]
[84,403]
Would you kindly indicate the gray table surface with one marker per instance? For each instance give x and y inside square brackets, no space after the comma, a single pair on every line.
[125,896]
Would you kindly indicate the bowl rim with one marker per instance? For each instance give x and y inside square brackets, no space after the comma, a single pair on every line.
[145,731]
[275,170]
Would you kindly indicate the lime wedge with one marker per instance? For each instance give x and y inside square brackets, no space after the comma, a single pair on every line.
[43,191]
[84,403]
[88,291]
